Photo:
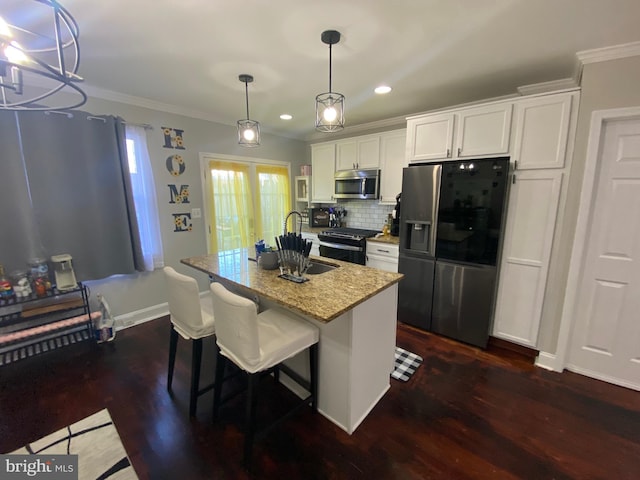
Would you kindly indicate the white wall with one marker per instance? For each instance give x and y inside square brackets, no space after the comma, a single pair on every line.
[605,85]
[132,293]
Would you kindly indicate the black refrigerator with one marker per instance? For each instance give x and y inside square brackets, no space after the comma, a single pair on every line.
[451,225]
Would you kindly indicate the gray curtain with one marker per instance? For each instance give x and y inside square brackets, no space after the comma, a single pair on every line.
[65,191]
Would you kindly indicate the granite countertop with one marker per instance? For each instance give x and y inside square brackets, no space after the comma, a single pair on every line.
[389,239]
[324,297]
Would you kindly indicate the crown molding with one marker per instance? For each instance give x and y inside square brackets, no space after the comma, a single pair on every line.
[112,96]
[609,53]
[350,130]
[552,86]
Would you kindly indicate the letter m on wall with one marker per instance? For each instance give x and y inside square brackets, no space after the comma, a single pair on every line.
[179,195]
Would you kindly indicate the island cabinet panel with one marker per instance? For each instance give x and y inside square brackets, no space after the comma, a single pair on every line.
[323,164]
[356,355]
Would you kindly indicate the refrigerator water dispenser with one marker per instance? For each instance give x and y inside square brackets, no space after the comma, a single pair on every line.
[419,234]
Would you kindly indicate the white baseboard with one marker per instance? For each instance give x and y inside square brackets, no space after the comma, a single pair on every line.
[144,315]
[548,361]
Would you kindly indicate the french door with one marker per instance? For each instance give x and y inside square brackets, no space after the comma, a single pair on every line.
[245,202]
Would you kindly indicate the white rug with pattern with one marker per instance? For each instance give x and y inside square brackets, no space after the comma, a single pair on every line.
[95,440]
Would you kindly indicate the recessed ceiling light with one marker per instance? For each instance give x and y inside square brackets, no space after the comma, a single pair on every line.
[286,116]
[382,89]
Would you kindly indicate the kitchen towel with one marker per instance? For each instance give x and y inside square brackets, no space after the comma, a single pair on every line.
[406,364]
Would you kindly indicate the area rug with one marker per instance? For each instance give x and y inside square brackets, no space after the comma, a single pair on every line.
[406,364]
[95,440]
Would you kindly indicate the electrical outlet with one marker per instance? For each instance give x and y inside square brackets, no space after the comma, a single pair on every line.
[196,213]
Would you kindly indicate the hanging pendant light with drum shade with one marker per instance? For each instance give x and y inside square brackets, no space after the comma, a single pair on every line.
[248,130]
[330,105]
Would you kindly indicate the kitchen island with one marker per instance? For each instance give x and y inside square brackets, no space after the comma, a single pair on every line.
[353,306]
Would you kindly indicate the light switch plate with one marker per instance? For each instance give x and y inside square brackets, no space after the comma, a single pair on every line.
[196,213]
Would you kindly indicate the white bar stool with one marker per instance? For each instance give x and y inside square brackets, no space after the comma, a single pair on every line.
[192,320]
[256,343]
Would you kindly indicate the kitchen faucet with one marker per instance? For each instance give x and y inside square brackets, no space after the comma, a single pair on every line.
[293,212]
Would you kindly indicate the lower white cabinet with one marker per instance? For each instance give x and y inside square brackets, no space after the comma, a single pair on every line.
[383,256]
[315,247]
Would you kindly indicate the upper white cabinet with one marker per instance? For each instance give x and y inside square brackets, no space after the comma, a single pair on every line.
[541,132]
[323,162]
[303,188]
[463,133]
[358,153]
[392,161]
[430,137]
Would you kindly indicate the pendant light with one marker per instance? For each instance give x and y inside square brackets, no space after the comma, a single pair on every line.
[330,105]
[37,64]
[248,130]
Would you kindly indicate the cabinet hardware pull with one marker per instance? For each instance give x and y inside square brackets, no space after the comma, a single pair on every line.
[513,180]
[459,151]
[381,250]
[515,164]
[448,153]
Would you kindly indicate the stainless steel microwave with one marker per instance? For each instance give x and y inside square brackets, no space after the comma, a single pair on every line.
[362,184]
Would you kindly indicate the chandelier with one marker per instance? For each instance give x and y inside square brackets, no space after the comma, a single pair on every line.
[40,59]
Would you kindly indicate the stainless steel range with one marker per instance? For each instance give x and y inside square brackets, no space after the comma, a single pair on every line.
[346,244]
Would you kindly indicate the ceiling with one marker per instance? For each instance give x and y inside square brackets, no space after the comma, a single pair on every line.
[184,56]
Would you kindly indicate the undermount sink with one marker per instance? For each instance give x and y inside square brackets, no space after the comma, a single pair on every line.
[318,268]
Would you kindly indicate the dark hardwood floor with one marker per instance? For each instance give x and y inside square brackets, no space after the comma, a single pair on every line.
[465,414]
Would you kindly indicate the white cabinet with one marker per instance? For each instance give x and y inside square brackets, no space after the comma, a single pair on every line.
[382,255]
[323,160]
[303,188]
[315,246]
[544,128]
[358,153]
[464,133]
[392,161]
[532,211]
[541,132]
[430,137]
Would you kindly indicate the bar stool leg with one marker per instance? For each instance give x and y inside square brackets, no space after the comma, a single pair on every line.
[173,345]
[221,362]
[196,360]
[250,419]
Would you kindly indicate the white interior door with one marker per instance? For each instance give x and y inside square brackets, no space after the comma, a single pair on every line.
[605,341]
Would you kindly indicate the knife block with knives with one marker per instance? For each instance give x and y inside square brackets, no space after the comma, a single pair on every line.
[293,256]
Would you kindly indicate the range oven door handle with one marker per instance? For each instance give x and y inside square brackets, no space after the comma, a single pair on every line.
[340,246]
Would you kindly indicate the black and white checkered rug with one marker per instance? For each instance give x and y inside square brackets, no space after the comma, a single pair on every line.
[406,364]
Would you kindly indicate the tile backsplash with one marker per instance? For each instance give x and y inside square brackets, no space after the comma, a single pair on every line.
[365,214]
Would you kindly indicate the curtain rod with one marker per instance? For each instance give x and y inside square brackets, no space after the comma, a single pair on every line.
[146,126]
